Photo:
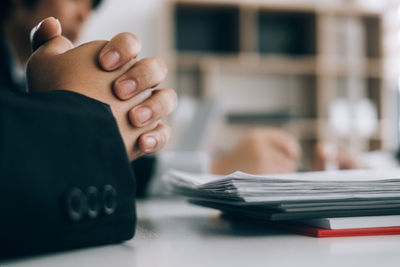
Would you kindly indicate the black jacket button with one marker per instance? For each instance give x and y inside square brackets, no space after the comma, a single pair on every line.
[93,202]
[76,204]
[109,199]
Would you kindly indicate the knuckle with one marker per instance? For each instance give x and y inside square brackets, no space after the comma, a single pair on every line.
[134,41]
[131,38]
[161,140]
[167,100]
[131,43]
[165,135]
[161,64]
[159,106]
[157,64]
[148,72]
[171,99]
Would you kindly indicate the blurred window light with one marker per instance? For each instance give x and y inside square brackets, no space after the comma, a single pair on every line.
[340,117]
[348,117]
[365,118]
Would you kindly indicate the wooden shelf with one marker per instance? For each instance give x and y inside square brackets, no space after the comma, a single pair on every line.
[341,9]
[349,9]
[367,68]
[301,65]
[304,54]
[273,65]
[248,62]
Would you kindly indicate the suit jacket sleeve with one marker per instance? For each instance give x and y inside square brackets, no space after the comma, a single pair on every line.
[65,178]
[144,169]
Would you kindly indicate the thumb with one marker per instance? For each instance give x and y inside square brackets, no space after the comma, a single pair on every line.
[47,36]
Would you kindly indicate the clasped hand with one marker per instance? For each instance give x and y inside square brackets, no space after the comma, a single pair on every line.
[108,72]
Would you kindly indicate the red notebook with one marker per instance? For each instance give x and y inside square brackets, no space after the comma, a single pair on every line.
[319,232]
[300,228]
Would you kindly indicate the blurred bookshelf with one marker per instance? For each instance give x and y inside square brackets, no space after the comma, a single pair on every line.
[280,63]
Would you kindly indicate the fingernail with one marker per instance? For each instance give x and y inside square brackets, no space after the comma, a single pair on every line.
[34,30]
[143,114]
[150,143]
[110,59]
[125,88]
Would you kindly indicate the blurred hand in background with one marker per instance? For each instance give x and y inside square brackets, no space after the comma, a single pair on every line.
[261,151]
[333,157]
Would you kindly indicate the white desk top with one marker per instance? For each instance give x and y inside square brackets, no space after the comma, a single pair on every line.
[173,233]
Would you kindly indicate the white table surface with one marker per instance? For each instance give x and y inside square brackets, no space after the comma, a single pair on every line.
[174,233]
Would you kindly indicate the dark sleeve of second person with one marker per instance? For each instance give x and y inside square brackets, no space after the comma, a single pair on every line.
[65,178]
[144,169]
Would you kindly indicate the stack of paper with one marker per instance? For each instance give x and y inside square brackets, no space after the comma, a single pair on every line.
[294,196]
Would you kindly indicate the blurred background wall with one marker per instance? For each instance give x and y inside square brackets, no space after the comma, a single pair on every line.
[141,17]
[324,70]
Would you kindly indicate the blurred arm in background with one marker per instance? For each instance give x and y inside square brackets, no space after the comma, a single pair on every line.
[333,157]
[261,151]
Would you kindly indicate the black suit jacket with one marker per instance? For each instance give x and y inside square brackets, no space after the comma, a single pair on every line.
[143,167]
[66,181]
[65,178]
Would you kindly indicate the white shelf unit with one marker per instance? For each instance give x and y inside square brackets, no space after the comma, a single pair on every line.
[287,60]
